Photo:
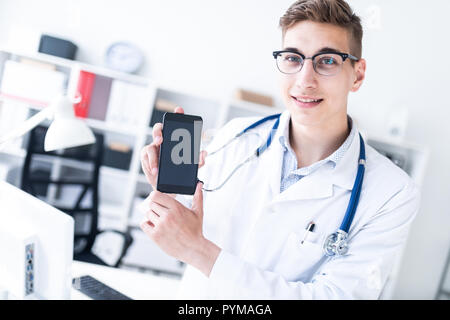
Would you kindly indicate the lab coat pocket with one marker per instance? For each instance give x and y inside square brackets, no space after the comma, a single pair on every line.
[299,260]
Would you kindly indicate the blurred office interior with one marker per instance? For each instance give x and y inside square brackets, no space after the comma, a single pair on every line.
[202,52]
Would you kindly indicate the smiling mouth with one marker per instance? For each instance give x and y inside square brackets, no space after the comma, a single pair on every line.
[306,102]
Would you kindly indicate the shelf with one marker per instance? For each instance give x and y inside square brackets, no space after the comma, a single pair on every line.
[41,57]
[106,127]
[110,73]
[254,107]
[66,63]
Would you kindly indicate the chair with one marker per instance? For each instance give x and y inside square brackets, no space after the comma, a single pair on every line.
[36,179]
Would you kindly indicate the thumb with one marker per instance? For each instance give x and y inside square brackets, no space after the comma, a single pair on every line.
[179,110]
[197,201]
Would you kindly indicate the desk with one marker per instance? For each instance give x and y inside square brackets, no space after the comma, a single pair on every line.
[138,286]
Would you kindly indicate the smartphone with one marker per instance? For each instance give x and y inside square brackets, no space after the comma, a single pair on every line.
[179,153]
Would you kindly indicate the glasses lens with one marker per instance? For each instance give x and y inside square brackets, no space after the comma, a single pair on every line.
[288,62]
[328,64]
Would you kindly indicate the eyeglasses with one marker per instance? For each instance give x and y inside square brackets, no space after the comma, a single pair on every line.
[324,63]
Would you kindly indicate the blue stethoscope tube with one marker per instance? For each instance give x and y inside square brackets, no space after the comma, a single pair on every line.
[335,243]
[356,190]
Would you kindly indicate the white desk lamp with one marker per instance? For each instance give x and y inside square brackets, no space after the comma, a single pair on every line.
[65,131]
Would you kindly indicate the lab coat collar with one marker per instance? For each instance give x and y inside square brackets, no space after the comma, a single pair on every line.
[344,174]
[275,155]
[318,184]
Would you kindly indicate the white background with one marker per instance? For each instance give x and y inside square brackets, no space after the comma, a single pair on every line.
[208,48]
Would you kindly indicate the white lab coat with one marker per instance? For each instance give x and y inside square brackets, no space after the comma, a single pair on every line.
[260,229]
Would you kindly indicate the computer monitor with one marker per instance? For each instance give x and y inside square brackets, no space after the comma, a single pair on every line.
[36,246]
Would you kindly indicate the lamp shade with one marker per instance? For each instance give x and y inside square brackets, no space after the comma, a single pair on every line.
[66,131]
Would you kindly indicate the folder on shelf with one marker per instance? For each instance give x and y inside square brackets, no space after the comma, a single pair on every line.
[100,98]
[127,104]
[85,87]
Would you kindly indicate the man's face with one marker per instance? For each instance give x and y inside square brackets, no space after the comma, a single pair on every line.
[331,91]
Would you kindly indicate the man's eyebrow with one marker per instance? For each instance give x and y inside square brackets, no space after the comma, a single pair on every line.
[292,49]
[321,50]
[328,49]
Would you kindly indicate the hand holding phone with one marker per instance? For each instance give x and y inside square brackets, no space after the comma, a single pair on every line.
[150,154]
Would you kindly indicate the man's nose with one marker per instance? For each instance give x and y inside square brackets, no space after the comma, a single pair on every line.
[307,76]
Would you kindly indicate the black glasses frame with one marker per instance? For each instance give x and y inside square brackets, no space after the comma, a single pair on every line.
[343,55]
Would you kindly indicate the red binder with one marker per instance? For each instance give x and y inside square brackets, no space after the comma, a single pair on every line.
[85,87]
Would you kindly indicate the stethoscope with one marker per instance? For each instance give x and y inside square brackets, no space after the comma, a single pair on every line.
[335,243]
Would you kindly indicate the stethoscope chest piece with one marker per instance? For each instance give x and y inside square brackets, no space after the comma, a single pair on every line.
[336,244]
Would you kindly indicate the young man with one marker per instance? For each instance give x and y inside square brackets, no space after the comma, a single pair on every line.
[252,239]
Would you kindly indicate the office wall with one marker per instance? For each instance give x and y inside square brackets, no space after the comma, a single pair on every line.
[210,47]
[405,70]
[196,46]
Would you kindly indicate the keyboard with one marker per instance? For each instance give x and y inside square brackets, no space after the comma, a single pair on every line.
[97,290]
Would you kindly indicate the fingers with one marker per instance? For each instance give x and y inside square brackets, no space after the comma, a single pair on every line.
[157,134]
[152,217]
[163,199]
[179,110]
[158,209]
[153,148]
[146,166]
[149,163]
[147,226]
[153,158]
[155,214]
[203,155]
[150,155]
[197,201]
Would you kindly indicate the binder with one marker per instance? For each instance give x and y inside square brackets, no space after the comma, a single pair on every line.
[127,104]
[100,98]
[85,87]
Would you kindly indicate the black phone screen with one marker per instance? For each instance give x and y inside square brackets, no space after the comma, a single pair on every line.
[179,153]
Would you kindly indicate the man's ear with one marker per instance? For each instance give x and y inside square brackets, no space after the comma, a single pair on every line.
[360,73]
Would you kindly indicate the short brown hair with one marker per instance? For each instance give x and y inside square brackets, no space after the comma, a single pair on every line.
[336,12]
